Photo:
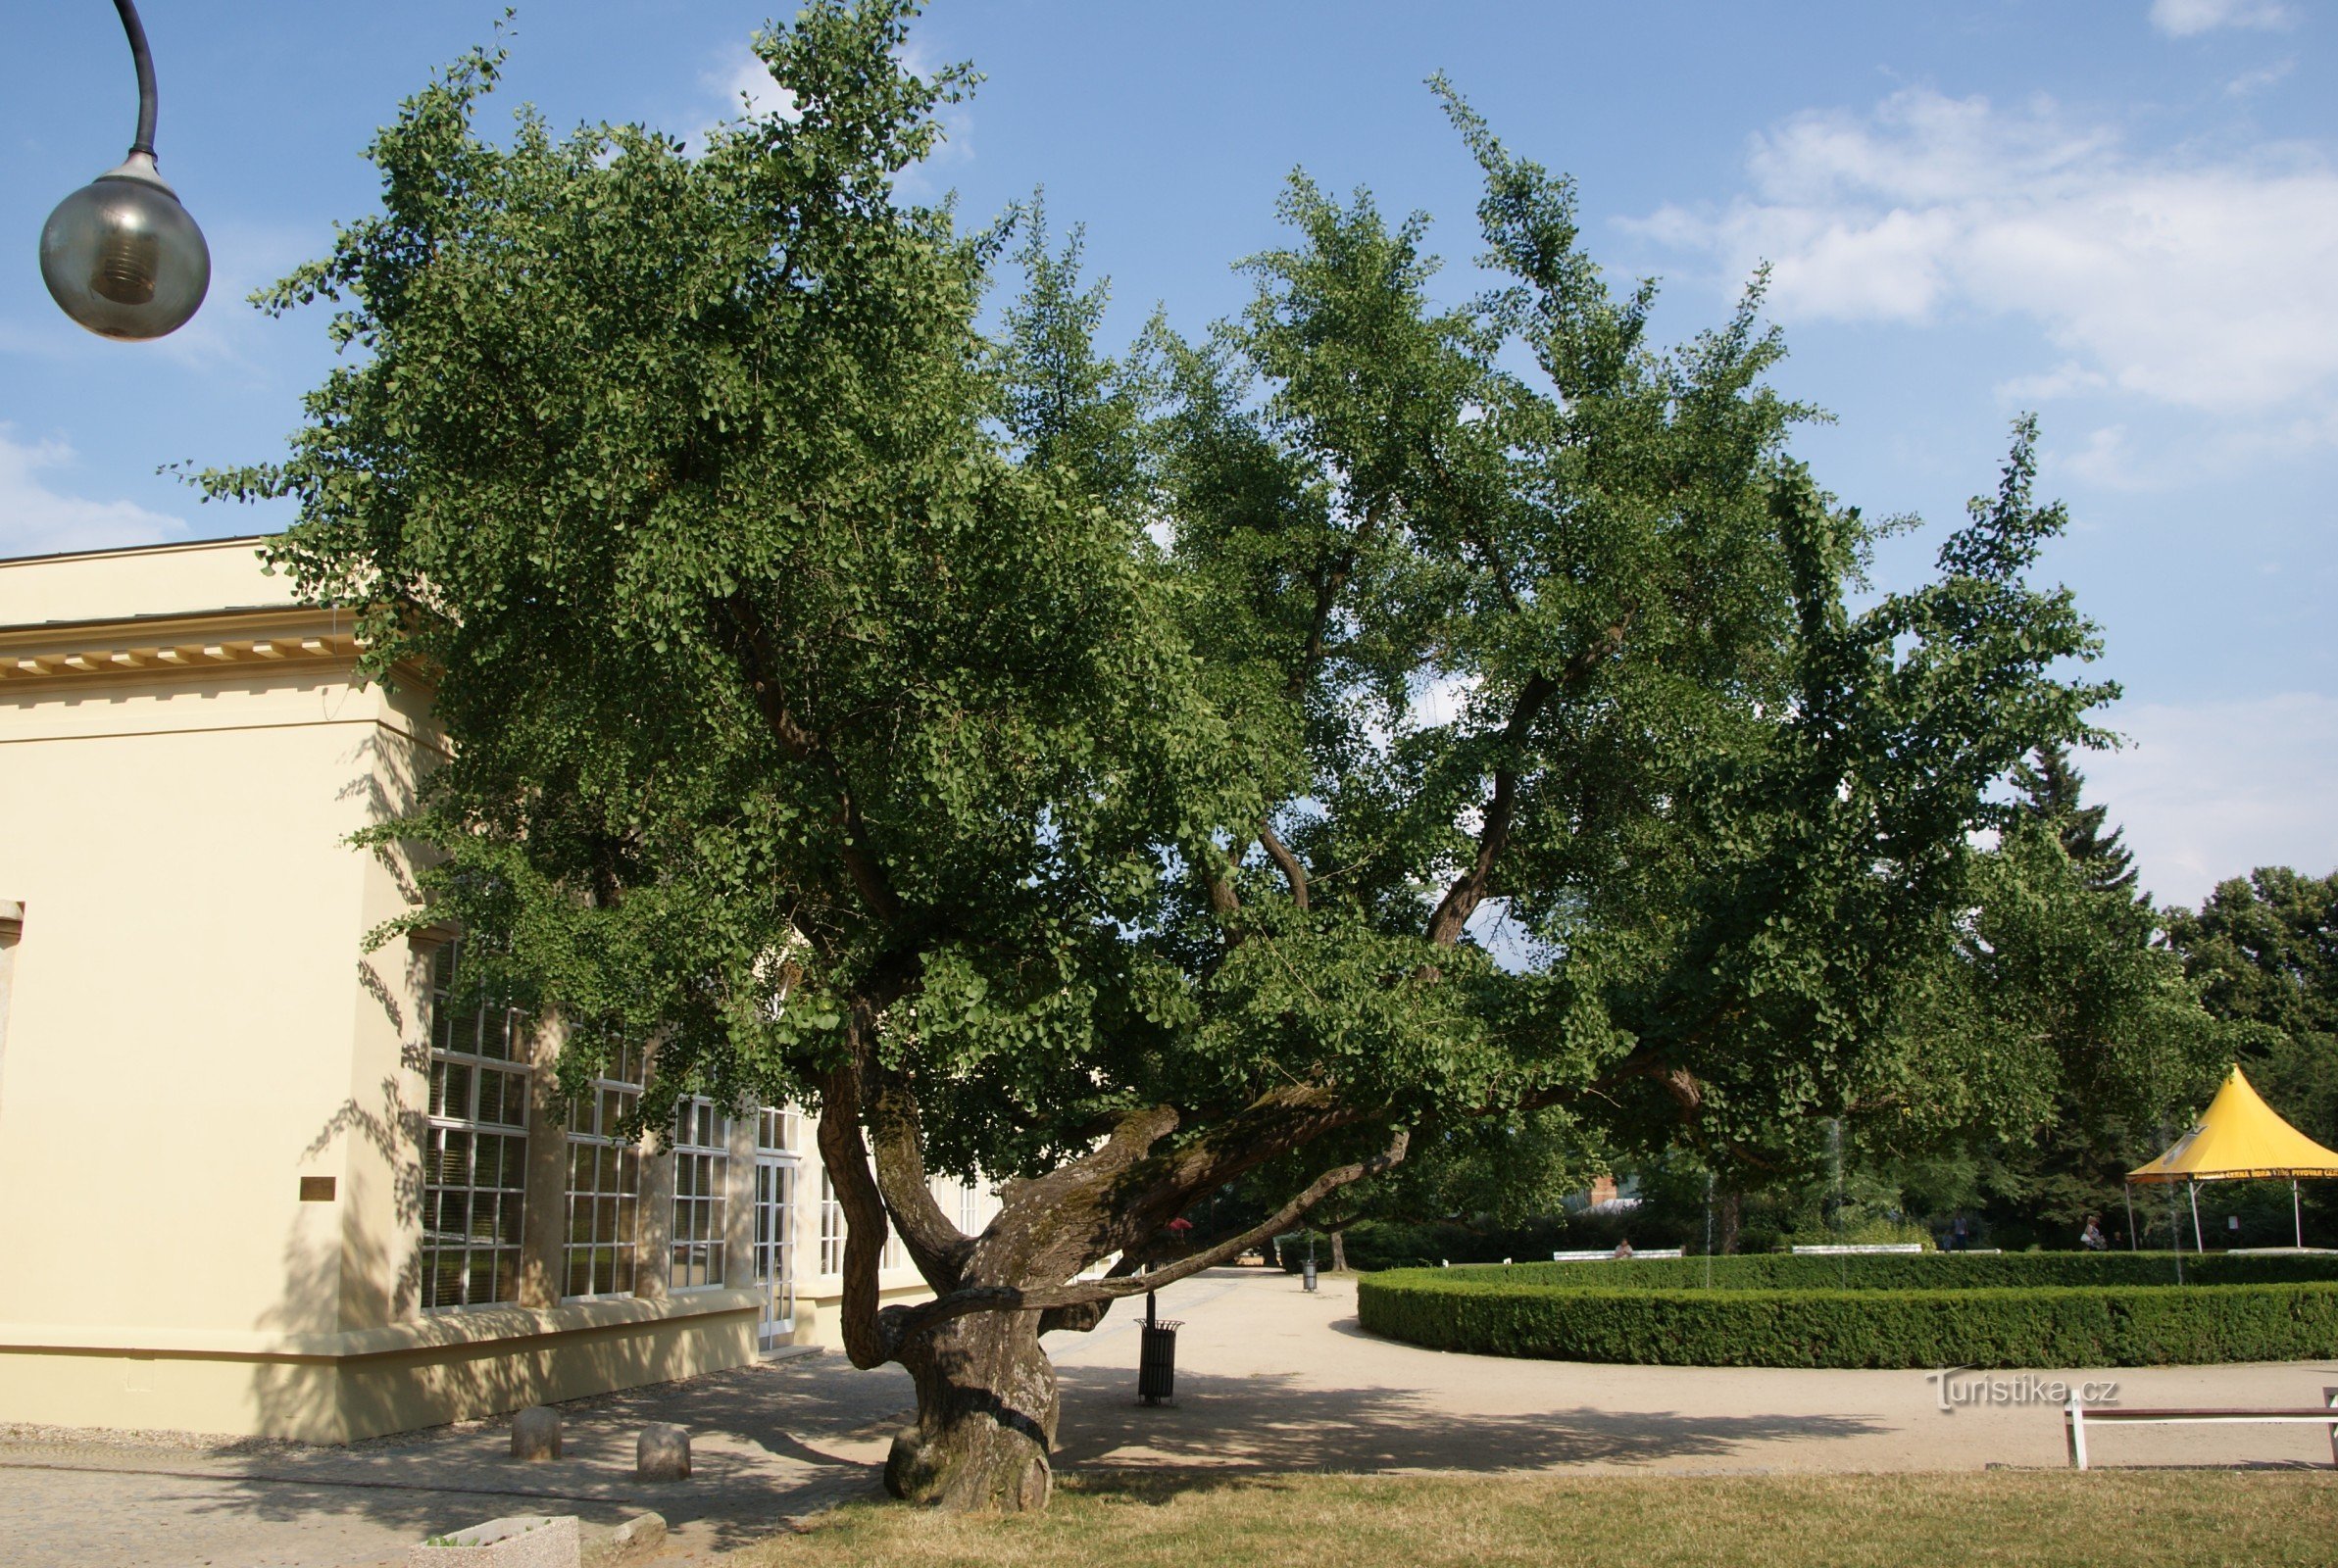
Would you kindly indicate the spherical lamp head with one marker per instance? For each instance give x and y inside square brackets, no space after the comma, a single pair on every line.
[123,258]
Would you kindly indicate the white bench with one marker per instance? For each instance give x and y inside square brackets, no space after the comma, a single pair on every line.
[1852,1249]
[1596,1255]
[2076,1416]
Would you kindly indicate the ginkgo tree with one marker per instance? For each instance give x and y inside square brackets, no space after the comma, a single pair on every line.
[1123,779]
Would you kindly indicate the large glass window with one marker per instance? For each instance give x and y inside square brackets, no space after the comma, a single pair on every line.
[474,1150]
[701,1176]
[831,1226]
[604,1184]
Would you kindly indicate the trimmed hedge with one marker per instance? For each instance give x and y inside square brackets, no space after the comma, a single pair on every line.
[1946,1272]
[2108,1324]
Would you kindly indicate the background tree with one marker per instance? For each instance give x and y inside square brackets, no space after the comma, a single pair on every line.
[1120,797]
[2264,951]
[2050,791]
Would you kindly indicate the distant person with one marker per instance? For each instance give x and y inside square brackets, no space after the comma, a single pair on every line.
[2092,1238]
[1624,1248]
[1959,1234]
[2232,1230]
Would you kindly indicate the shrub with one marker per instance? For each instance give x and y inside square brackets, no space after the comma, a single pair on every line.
[2041,1310]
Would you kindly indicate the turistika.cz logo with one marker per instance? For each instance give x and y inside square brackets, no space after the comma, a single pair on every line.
[2018,1388]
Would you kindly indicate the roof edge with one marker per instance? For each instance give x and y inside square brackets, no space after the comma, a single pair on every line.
[140,549]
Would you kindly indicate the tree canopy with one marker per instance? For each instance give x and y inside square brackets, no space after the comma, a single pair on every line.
[1123,776]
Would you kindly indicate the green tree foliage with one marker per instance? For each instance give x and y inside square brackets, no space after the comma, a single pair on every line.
[1123,777]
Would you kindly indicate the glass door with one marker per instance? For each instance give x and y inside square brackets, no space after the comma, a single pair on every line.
[774,1247]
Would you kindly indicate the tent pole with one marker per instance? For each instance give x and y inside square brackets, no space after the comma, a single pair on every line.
[2129,1187]
[2197,1246]
[2297,1217]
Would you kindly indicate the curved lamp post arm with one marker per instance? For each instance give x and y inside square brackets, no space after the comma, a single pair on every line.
[142,57]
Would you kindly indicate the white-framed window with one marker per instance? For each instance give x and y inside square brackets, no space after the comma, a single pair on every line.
[832,1232]
[475,1148]
[701,1178]
[776,1129]
[970,1209]
[831,1226]
[600,1255]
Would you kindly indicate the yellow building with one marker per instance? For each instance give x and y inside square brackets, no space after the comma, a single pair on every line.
[254,1179]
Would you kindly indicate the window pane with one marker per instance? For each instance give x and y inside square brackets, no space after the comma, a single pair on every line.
[472,1180]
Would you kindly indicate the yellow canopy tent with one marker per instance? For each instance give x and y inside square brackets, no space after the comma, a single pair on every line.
[2238,1138]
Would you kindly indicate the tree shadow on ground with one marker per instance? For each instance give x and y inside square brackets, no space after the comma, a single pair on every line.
[1272,1422]
[759,1438]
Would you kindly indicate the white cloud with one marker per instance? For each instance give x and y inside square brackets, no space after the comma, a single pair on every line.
[36,519]
[2062,381]
[2117,459]
[2194,282]
[745,87]
[2182,19]
[2214,790]
[2249,81]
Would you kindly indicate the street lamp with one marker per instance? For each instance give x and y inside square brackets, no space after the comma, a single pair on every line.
[120,255]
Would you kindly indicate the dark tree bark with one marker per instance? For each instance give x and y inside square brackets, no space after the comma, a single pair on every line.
[986,1417]
[1339,1251]
[1727,1212]
[987,1401]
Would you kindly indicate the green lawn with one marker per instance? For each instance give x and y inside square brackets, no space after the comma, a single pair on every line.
[2053,1519]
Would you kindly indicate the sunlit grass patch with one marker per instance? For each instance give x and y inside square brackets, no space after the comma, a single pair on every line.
[2065,1520]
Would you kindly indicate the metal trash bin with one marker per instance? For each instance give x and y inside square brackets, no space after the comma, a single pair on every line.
[1307,1275]
[1157,1363]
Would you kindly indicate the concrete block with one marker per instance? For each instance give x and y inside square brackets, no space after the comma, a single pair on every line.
[643,1530]
[536,1433]
[663,1454]
[525,1542]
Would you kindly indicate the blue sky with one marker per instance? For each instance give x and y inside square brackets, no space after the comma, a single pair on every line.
[2122,217]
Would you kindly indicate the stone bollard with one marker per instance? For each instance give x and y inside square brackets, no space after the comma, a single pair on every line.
[663,1455]
[536,1433]
[530,1540]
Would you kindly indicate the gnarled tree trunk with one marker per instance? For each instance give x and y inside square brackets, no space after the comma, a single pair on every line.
[986,1416]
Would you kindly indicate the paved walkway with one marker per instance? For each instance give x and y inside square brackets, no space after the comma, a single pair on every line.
[760,1442]
[1270,1378]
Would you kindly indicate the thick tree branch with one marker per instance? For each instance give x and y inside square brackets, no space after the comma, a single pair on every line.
[1293,871]
[1469,890]
[904,1323]
[936,1246]
[1328,581]
[847,1163]
[1460,901]
[1061,1218]
[1216,868]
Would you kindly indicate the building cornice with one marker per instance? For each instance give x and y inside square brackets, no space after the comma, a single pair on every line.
[194,643]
